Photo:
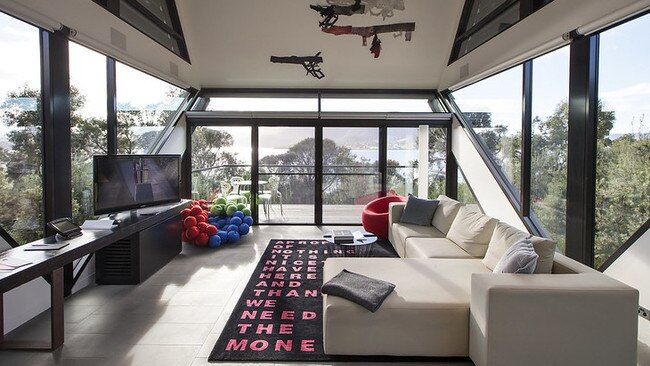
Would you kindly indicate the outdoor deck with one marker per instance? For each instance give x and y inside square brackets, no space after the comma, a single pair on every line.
[304,214]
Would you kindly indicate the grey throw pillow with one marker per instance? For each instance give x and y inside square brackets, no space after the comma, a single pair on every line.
[519,258]
[419,211]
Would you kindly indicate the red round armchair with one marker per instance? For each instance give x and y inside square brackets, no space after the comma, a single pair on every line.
[375,215]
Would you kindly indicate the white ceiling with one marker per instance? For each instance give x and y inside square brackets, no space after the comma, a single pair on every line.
[230,43]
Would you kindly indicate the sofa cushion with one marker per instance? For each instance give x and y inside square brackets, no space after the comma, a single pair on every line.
[433,248]
[505,236]
[401,232]
[472,231]
[419,211]
[426,315]
[519,258]
[445,213]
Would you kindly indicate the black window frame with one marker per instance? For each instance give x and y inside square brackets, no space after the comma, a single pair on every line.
[174,31]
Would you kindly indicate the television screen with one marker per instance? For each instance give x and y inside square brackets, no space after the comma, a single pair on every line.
[124,182]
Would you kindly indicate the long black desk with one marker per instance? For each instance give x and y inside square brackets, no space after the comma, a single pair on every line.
[51,263]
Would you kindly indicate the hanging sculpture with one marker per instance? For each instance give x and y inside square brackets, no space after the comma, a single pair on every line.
[330,14]
[383,8]
[373,31]
[310,63]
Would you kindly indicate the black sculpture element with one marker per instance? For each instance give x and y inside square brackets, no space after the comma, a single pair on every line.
[331,13]
[310,63]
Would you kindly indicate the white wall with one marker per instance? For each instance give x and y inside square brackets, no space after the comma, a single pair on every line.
[488,192]
[175,144]
[633,268]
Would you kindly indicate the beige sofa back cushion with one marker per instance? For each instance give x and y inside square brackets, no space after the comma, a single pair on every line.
[445,213]
[505,236]
[472,231]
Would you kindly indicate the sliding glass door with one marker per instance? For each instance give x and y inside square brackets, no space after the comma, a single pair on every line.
[351,174]
[286,175]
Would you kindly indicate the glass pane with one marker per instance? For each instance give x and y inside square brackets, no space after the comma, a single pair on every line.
[465,193]
[350,172]
[491,29]
[262,104]
[549,142]
[374,105]
[88,124]
[623,168]
[493,107]
[402,163]
[218,155]
[287,176]
[437,161]
[21,181]
[146,26]
[159,9]
[144,106]
[480,9]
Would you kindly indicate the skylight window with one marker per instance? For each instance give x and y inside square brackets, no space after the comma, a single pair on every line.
[158,19]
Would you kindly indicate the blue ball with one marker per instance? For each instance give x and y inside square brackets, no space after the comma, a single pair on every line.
[233,236]
[213,221]
[235,221]
[221,223]
[228,220]
[215,241]
[244,228]
[232,228]
[238,214]
[248,220]
[223,236]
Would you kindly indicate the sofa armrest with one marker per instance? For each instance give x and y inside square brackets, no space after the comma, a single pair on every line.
[555,319]
[395,210]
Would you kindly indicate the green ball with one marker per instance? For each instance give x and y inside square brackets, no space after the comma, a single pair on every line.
[214,210]
[220,201]
[231,209]
[230,203]
[246,211]
[218,211]
[240,206]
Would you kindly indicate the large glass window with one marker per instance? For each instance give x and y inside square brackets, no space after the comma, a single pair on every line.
[493,108]
[144,106]
[465,193]
[351,176]
[376,105]
[549,142]
[21,193]
[236,104]
[220,155]
[623,157]
[88,124]
[286,174]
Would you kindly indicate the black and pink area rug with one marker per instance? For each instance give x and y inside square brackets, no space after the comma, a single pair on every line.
[279,316]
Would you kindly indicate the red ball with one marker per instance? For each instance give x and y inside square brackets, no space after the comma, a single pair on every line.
[200,218]
[192,232]
[202,226]
[189,222]
[196,210]
[185,213]
[211,230]
[184,236]
[203,202]
[202,239]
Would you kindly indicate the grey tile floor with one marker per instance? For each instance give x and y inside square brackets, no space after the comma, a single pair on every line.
[172,318]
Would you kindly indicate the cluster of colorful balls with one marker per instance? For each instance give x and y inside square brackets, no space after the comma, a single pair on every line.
[233,220]
[196,228]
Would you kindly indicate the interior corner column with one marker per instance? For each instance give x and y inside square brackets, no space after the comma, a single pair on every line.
[423,161]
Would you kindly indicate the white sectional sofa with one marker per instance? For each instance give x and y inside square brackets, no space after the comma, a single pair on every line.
[447,302]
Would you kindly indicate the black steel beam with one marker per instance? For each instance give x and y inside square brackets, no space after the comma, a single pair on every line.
[451,170]
[526,137]
[383,159]
[582,138]
[255,138]
[318,170]
[111,106]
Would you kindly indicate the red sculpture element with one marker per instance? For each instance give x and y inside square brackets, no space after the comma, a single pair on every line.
[375,215]
[373,31]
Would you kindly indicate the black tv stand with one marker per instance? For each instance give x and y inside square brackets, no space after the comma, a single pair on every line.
[153,241]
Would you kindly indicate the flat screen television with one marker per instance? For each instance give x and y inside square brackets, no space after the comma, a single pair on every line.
[127,182]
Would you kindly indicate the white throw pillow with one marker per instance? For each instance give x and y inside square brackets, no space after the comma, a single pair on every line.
[519,258]
[506,236]
[445,213]
[472,231]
